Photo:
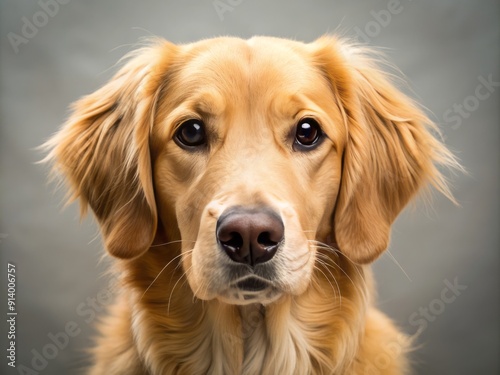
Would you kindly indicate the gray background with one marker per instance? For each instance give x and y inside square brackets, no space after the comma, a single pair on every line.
[442,47]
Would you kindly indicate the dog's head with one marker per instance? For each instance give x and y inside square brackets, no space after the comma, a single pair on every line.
[253,154]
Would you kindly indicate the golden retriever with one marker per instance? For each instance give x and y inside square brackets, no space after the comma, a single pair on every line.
[243,186]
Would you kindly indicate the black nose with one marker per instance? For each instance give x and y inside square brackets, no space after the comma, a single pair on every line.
[250,236]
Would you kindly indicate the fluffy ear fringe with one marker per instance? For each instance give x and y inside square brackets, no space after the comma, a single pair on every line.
[102,152]
[392,149]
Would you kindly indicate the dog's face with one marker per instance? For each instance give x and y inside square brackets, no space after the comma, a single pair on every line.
[252,154]
[248,146]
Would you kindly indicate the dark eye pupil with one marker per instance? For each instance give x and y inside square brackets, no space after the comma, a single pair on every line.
[191,133]
[308,132]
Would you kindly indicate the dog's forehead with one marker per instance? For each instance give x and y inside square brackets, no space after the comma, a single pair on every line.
[257,70]
[273,57]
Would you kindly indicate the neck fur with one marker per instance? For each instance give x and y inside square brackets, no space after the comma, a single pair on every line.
[314,333]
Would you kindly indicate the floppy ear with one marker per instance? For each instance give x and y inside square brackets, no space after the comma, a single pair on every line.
[103,152]
[390,151]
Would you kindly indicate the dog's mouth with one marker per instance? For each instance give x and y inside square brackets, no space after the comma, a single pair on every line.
[249,290]
[252,284]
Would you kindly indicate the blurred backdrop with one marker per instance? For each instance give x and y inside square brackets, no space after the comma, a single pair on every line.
[441,275]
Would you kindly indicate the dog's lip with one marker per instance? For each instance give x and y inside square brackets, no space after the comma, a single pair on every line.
[252,284]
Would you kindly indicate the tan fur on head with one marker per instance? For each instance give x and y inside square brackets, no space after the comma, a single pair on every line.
[184,307]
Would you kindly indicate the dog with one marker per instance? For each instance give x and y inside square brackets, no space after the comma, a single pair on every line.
[243,187]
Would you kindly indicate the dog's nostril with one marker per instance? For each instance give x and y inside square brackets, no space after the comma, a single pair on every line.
[232,240]
[264,239]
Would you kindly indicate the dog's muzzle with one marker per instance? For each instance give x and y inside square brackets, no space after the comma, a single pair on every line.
[251,238]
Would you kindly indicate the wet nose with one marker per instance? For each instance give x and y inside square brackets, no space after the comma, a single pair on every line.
[250,236]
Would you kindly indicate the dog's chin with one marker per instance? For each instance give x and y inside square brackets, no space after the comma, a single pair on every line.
[248,291]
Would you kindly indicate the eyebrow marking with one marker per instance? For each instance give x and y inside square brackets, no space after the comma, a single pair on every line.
[208,103]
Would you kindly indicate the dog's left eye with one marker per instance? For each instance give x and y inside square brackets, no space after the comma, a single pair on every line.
[308,133]
[191,133]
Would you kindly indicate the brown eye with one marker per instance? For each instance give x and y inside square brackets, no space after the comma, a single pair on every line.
[308,133]
[191,133]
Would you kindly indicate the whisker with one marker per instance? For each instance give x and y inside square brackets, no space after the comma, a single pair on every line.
[399,265]
[171,242]
[321,245]
[330,249]
[331,285]
[335,251]
[327,268]
[159,273]
[179,265]
[325,260]
[347,275]
[183,276]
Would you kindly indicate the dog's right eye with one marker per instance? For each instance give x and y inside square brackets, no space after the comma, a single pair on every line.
[191,133]
[308,134]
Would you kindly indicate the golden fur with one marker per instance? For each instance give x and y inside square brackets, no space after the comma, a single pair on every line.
[157,204]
